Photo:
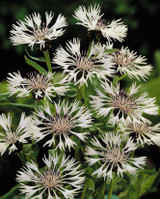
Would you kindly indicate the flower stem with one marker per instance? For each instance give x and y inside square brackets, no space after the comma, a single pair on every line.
[11,193]
[81,93]
[21,157]
[84,192]
[110,189]
[118,79]
[48,61]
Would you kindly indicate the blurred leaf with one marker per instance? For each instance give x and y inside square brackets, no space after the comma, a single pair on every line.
[111,50]
[157,62]
[34,65]
[90,184]
[152,88]
[11,193]
[31,152]
[100,189]
[141,184]
[113,197]
[18,104]
[147,180]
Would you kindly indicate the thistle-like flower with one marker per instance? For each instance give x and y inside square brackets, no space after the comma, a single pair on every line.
[129,63]
[10,138]
[66,122]
[93,21]
[114,156]
[143,133]
[80,67]
[60,177]
[38,85]
[33,31]
[125,107]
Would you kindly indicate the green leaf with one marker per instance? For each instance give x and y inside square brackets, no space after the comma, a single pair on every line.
[90,184]
[11,193]
[152,88]
[31,152]
[100,189]
[157,62]
[18,104]
[147,179]
[111,50]
[113,197]
[41,59]
[34,65]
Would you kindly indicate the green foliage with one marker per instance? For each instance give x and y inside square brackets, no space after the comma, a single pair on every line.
[137,186]
[34,65]
[130,187]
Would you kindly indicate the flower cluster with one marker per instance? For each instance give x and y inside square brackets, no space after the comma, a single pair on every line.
[69,111]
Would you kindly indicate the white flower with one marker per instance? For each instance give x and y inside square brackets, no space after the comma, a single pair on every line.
[60,176]
[63,123]
[93,21]
[79,67]
[10,138]
[128,62]
[39,85]
[33,31]
[125,107]
[144,133]
[114,156]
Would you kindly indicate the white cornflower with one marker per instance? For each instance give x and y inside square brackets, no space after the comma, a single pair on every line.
[38,85]
[33,31]
[10,138]
[66,122]
[129,63]
[93,21]
[59,178]
[125,107]
[79,67]
[114,156]
[144,133]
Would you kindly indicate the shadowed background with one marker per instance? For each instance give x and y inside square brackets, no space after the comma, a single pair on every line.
[142,18]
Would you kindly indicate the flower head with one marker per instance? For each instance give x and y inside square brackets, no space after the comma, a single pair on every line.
[115,157]
[59,177]
[39,85]
[93,21]
[128,62]
[33,31]
[143,133]
[125,107]
[79,66]
[11,138]
[63,124]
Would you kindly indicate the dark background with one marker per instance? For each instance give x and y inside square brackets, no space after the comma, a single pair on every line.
[142,18]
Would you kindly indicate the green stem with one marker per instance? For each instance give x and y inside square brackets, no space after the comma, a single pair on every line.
[81,93]
[84,192]
[48,61]
[110,189]
[117,79]
[132,154]
[116,128]
[21,157]
[89,49]
[11,193]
